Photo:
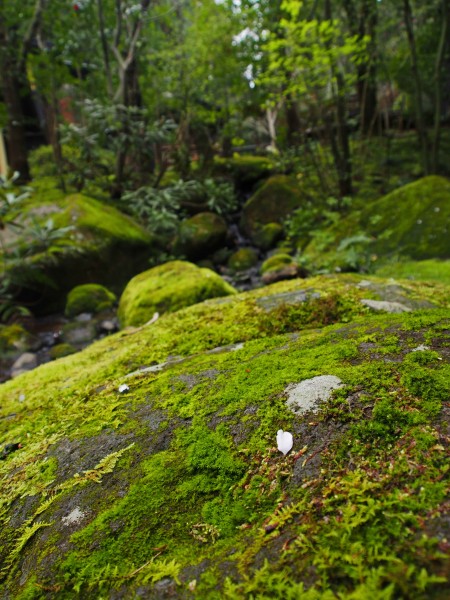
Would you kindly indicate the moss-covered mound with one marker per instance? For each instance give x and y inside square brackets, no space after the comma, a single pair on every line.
[245,170]
[168,288]
[413,221]
[243,259]
[271,203]
[428,270]
[266,236]
[201,235]
[89,298]
[71,240]
[146,465]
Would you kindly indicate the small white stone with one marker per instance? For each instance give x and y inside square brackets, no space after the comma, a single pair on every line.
[73,517]
[390,307]
[123,388]
[420,348]
[305,395]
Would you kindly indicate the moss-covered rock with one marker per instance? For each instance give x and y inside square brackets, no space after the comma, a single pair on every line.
[275,262]
[266,236]
[278,267]
[428,270]
[411,222]
[146,465]
[271,203]
[243,259]
[200,235]
[14,338]
[168,288]
[90,298]
[245,170]
[86,241]
[61,350]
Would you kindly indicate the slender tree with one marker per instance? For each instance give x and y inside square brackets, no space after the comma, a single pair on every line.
[16,39]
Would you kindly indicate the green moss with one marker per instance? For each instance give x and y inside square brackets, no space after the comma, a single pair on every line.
[13,338]
[271,203]
[275,262]
[266,236]
[428,270]
[178,478]
[246,170]
[410,222]
[61,350]
[168,288]
[243,259]
[200,235]
[90,298]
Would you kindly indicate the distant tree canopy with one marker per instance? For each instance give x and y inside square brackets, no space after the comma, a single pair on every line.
[223,74]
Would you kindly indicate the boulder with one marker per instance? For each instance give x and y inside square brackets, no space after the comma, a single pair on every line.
[89,298]
[87,241]
[167,288]
[271,203]
[146,465]
[411,222]
[243,259]
[244,170]
[200,235]
[278,267]
[266,236]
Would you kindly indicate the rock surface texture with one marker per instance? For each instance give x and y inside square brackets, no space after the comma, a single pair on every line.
[147,466]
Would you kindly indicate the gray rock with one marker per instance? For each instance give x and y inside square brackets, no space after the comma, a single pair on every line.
[304,396]
[77,334]
[26,362]
[383,305]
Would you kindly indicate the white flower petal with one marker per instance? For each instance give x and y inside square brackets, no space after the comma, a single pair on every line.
[284,441]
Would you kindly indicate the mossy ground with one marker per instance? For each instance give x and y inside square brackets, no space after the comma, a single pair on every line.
[175,487]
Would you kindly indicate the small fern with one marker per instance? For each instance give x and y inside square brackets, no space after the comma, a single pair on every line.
[27,533]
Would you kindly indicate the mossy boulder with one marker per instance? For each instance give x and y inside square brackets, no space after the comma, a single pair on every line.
[61,350]
[278,267]
[245,170]
[167,288]
[271,203]
[15,338]
[243,259]
[89,298]
[201,235]
[411,222]
[147,464]
[266,236]
[428,270]
[87,241]
[275,262]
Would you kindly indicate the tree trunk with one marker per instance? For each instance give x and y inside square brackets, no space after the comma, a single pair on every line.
[361,25]
[16,139]
[293,125]
[420,121]
[341,150]
[105,51]
[443,41]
